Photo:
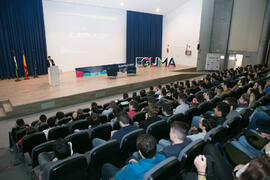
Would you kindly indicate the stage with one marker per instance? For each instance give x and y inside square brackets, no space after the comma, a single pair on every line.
[36,95]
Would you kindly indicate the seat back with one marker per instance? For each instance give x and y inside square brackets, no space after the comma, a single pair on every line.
[233,126]
[188,154]
[43,126]
[138,117]
[167,169]
[110,116]
[69,114]
[64,121]
[159,129]
[79,124]
[86,110]
[217,134]
[102,131]
[58,132]
[143,104]
[108,152]
[32,140]
[193,111]
[44,147]
[74,167]
[176,117]
[103,119]
[128,143]
[81,142]
[18,133]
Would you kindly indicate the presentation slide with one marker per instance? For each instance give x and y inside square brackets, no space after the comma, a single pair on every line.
[82,35]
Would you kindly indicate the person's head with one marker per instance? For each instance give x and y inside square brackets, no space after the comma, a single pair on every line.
[133,105]
[94,119]
[61,148]
[178,131]
[202,85]
[159,87]
[80,111]
[258,169]
[222,109]
[152,111]
[43,118]
[93,104]
[151,88]
[74,116]
[49,57]
[20,122]
[225,85]
[244,99]
[116,110]
[206,124]
[182,98]
[51,122]
[142,93]
[208,95]
[167,109]
[232,102]
[163,92]
[123,119]
[60,115]
[151,100]
[125,95]
[146,146]
[218,90]
[199,97]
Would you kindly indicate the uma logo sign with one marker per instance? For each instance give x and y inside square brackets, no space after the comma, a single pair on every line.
[150,62]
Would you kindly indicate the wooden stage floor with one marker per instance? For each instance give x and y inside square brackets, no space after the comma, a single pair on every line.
[36,95]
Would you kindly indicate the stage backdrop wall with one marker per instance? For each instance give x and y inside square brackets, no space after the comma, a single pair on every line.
[83,35]
[144,35]
[182,27]
[22,28]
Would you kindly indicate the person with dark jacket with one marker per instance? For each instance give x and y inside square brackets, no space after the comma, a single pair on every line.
[151,116]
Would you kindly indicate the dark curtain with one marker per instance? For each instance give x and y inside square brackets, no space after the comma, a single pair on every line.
[144,35]
[22,28]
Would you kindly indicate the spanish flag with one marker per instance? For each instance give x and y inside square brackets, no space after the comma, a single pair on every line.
[25,67]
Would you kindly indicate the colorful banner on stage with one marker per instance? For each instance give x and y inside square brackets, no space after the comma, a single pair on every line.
[99,70]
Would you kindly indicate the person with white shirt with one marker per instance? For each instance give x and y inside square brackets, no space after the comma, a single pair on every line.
[51,123]
[183,106]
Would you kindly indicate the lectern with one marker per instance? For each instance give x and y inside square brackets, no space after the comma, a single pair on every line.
[53,73]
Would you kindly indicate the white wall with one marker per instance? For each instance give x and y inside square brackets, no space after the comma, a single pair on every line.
[83,35]
[181,27]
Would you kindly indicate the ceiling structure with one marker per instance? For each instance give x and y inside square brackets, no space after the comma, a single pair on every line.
[149,6]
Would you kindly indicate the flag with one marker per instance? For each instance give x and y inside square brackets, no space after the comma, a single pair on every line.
[15,63]
[25,67]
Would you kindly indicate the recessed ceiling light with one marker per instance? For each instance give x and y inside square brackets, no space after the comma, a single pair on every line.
[157,10]
[122,4]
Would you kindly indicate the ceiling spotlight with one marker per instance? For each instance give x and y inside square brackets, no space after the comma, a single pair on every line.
[157,10]
[122,4]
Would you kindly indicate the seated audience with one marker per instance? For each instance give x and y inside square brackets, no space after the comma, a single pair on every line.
[243,102]
[59,115]
[126,128]
[51,123]
[183,106]
[205,125]
[167,111]
[135,170]
[133,108]
[178,140]
[42,120]
[151,116]
[221,111]
[61,150]
[225,85]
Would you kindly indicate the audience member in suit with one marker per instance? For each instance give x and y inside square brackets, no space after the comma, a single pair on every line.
[51,123]
[151,116]
[50,62]
[133,108]
[135,170]
[126,128]
[61,150]
[42,120]
[178,140]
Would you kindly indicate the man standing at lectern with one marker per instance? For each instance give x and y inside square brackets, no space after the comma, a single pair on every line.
[50,62]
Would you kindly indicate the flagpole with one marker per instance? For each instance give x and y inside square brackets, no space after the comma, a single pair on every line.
[25,67]
[16,66]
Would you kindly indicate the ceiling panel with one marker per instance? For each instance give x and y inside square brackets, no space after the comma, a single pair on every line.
[149,6]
